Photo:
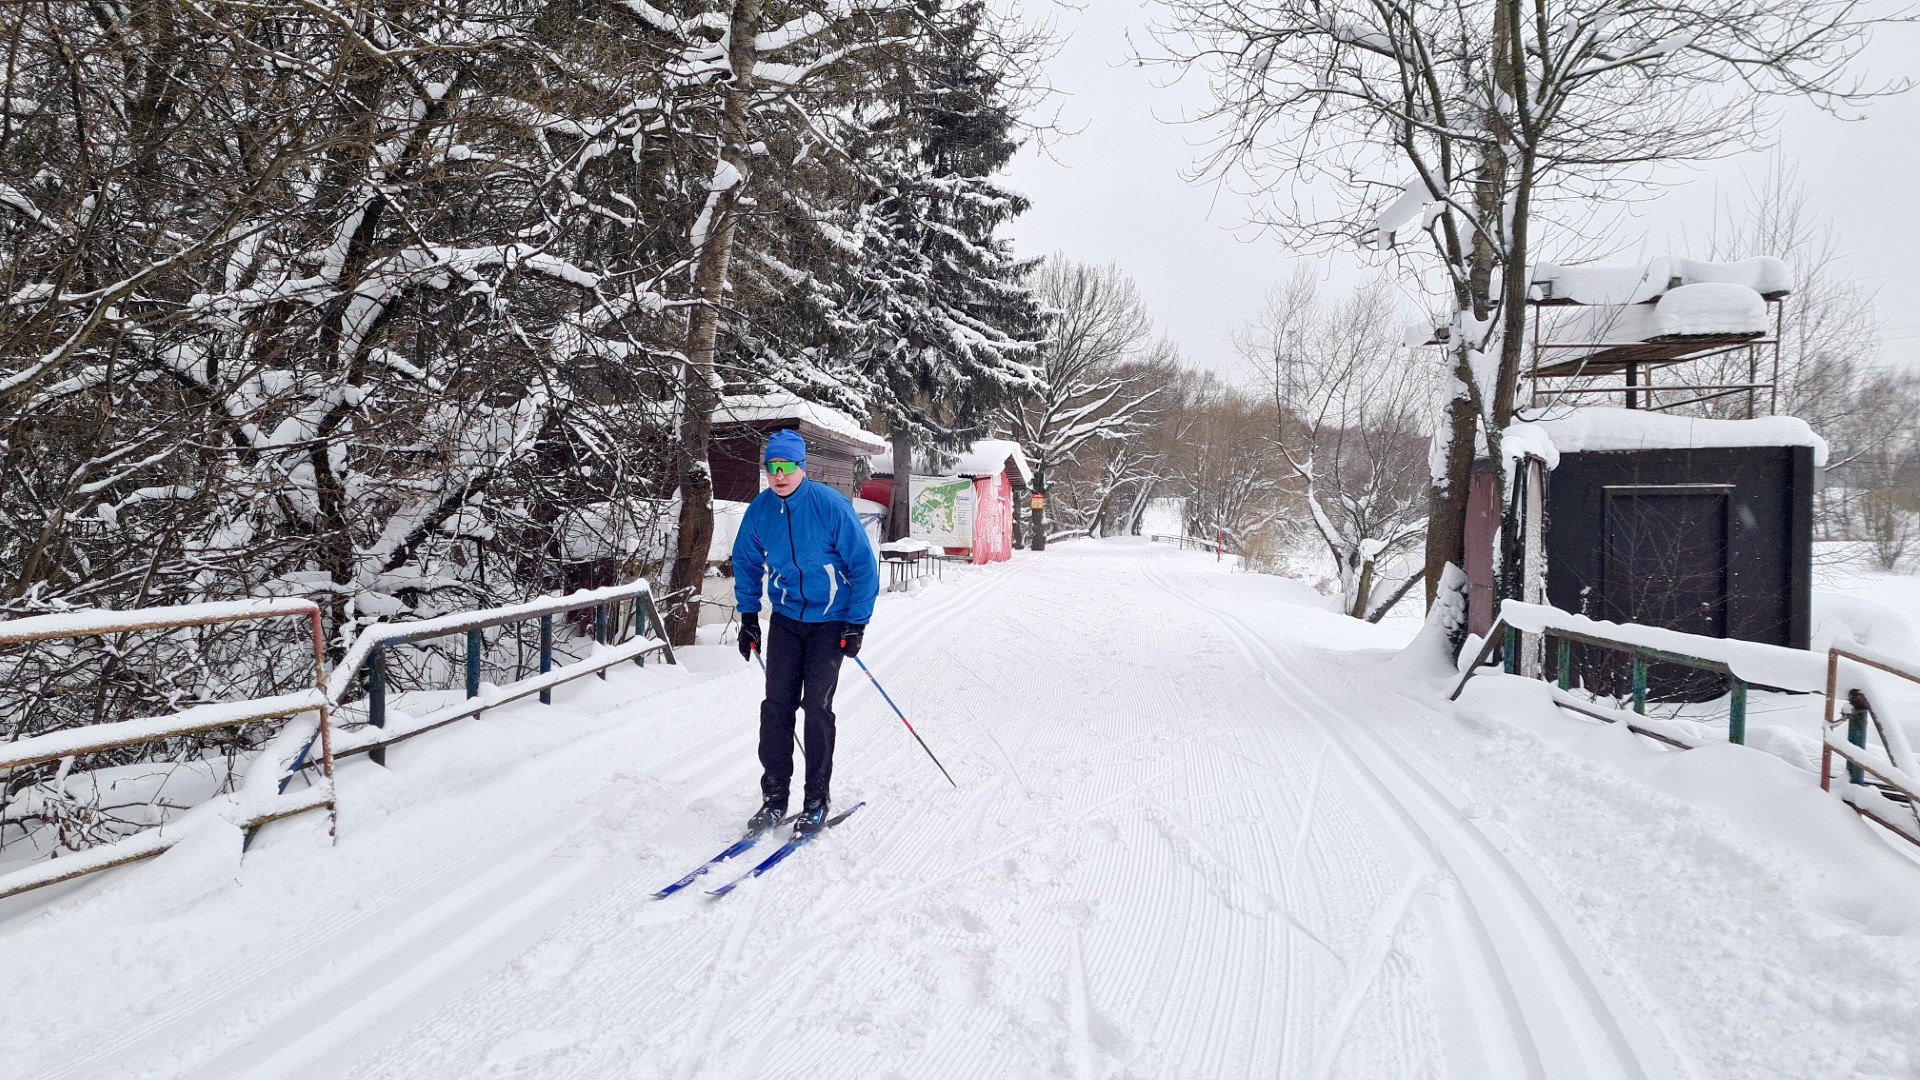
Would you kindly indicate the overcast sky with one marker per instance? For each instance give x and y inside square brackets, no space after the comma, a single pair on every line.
[1112,190]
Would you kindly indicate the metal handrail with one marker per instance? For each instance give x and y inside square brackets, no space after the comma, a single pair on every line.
[1895,779]
[368,655]
[1898,773]
[1505,635]
[248,814]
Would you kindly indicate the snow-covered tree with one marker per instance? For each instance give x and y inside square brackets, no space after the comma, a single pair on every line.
[312,296]
[1469,124]
[1349,407]
[946,325]
[1092,389]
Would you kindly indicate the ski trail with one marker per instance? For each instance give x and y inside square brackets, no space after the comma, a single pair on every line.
[1560,1022]
[1079,1021]
[1386,926]
[717,979]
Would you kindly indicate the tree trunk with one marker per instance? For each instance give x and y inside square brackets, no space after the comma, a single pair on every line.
[1447,497]
[1036,517]
[900,503]
[693,544]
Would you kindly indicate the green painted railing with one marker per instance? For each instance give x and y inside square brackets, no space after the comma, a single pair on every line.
[1507,638]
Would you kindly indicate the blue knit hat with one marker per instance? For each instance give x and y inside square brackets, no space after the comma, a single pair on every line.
[787,446]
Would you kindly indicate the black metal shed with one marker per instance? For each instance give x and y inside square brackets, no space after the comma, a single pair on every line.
[1700,526]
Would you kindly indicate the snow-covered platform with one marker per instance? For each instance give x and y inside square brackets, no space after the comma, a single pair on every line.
[1204,827]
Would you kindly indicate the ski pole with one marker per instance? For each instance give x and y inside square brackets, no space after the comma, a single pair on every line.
[904,720]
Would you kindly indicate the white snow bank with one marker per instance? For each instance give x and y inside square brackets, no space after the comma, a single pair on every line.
[1767,665]
[1689,312]
[1639,284]
[1709,309]
[749,408]
[906,545]
[1849,622]
[1603,429]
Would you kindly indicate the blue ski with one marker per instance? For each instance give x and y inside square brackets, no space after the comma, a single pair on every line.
[785,850]
[737,848]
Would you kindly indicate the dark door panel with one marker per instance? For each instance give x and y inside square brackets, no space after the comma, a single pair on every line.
[1664,563]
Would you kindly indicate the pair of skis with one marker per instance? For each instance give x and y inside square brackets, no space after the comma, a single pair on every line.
[742,846]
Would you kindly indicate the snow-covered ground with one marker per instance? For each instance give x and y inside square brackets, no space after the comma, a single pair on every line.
[1204,828]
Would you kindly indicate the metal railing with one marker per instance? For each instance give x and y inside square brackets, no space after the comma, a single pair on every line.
[262,797]
[1885,790]
[1787,669]
[1884,787]
[368,658]
[1217,545]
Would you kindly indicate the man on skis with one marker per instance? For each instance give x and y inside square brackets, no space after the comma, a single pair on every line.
[805,541]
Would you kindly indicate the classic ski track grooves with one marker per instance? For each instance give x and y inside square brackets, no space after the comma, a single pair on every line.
[294,987]
[1485,883]
[1172,858]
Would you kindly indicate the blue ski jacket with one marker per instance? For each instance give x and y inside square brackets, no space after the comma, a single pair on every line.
[815,550]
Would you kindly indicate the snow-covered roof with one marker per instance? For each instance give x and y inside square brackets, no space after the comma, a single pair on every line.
[1596,428]
[755,408]
[1711,310]
[1555,284]
[984,458]
[989,456]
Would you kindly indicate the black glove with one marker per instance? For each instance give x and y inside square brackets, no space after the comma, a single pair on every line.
[749,634]
[850,635]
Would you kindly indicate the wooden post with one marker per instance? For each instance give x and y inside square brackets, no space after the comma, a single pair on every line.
[377,697]
[473,663]
[1639,684]
[1566,664]
[1512,647]
[1737,713]
[546,655]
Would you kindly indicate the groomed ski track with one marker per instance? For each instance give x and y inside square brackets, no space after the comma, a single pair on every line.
[1189,840]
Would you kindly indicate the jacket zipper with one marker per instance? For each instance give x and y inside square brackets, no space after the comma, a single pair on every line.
[794,551]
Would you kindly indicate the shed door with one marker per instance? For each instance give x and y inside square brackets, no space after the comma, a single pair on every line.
[1666,557]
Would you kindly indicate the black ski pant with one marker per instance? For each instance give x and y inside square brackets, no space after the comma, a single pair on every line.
[803,668]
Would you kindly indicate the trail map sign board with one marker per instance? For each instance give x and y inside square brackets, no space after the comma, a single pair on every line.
[942,510]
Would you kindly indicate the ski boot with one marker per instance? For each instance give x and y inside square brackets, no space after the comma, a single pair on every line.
[771,812]
[813,816]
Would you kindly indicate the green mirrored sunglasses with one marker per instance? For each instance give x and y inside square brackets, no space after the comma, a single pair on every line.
[782,468]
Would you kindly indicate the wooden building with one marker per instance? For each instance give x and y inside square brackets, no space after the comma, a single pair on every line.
[741,426]
[980,524]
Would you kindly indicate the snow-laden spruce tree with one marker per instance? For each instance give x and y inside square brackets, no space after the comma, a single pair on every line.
[1467,125]
[946,327]
[784,77]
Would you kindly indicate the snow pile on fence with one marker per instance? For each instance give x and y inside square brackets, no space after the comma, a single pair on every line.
[1603,429]
[1753,661]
